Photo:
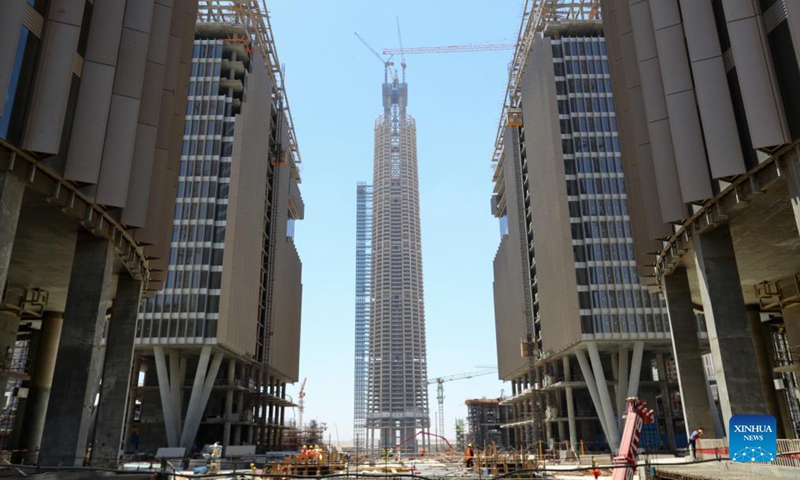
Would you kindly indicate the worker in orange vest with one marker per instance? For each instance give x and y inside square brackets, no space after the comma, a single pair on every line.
[595,468]
[470,454]
[303,454]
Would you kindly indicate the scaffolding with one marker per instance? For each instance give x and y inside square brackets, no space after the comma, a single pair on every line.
[363,280]
[536,15]
[253,16]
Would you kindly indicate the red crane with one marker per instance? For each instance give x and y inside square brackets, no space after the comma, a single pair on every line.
[625,461]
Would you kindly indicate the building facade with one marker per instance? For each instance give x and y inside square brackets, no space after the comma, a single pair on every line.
[92,96]
[363,273]
[217,346]
[577,333]
[397,397]
[485,418]
[709,126]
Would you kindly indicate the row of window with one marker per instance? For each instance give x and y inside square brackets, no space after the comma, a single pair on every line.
[578,86]
[607,276]
[177,328]
[209,148]
[627,298]
[599,252]
[198,256]
[589,46]
[205,168]
[642,323]
[601,124]
[596,186]
[214,106]
[580,67]
[598,164]
[602,230]
[204,126]
[194,278]
[207,49]
[198,233]
[203,69]
[575,105]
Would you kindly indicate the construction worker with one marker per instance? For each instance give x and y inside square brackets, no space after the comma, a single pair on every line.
[693,441]
[304,454]
[595,468]
[470,454]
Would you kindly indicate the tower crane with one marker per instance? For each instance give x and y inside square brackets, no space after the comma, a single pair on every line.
[301,395]
[440,381]
[490,47]
[387,63]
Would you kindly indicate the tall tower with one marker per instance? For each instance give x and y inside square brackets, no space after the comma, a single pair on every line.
[397,397]
[363,275]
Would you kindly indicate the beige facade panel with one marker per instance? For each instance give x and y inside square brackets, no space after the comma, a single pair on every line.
[48,106]
[112,185]
[711,83]
[509,310]
[242,260]
[135,213]
[792,16]
[756,73]
[284,350]
[687,140]
[669,188]
[94,96]
[638,205]
[104,32]
[89,125]
[558,289]
[130,67]
[69,12]
[684,121]
[139,15]
[633,131]
[10,25]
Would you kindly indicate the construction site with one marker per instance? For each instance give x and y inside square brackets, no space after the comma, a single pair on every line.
[645,177]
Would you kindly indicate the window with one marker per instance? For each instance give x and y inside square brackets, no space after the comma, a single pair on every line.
[20,83]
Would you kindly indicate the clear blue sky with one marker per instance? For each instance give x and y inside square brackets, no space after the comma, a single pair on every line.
[334,88]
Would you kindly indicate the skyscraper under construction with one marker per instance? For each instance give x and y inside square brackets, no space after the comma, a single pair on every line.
[397,396]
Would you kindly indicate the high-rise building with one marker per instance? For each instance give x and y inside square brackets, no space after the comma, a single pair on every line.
[486,418]
[363,274]
[577,332]
[91,97]
[397,398]
[227,322]
[709,123]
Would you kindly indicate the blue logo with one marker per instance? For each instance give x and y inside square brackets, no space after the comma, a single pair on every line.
[753,438]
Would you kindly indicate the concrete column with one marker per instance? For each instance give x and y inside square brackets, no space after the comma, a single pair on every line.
[765,374]
[12,189]
[114,391]
[79,359]
[727,323]
[686,352]
[605,398]
[133,386]
[665,400]
[226,429]
[622,389]
[201,390]
[40,385]
[588,376]
[636,370]
[573,431]
[172,421]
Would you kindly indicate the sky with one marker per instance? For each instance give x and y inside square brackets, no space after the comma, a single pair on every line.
[334,87]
